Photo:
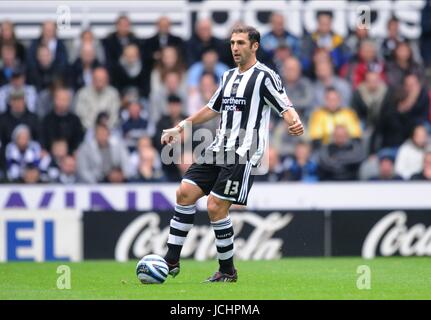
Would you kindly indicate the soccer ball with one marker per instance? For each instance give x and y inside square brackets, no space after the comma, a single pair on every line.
[152,269]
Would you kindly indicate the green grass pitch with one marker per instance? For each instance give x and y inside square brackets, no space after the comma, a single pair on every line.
[292,278]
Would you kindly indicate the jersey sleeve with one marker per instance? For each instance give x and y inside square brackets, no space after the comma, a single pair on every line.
[275,94]
[216,100]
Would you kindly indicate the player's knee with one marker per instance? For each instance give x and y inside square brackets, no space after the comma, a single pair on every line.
[184,198]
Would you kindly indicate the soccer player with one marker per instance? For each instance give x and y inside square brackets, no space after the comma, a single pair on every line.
[243,100]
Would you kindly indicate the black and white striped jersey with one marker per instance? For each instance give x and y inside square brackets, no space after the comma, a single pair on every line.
[244,101]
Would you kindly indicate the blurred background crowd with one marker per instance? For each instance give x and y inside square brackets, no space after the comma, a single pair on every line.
[92,110]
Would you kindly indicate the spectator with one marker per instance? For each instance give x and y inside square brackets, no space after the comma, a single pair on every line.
[50,162]
[401,112]
[115,42]
[45,99]
[136,125]
[62,123]
[320,55]
[368,99]
[68,173]
[49,40]
[17,114]
[299,87]
[324,120]
[144,144]
[102,159]
[162,39]
[425,173]
[131,72]
[17,83]
[209,64]
[282,140]
[83,67]
[8,38]
[43,72]
[354,71]
[148,169]
[425,38]
[324,37]
[325,79]
[340,160]
[409,159]
[8,63]
[201,40]
[279,36]
[354,41]
[392,39]
[301,167]
[401,65]
[273,166]
[98,97]
[88,40]
[386,169]
[21,154]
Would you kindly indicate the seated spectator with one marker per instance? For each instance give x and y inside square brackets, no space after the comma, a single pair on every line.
[279,36]
[31,175]
[83,67]
[354,40]
[147,169]
[62,123]
[68,173]
[162,39]
[17,114]
[136,125]
[340,160]
[103,159]
[87,39]
[21,153]
[209,64]
[402,65]
[386,170]
[410,155]
[354,71]
[48,39]
[131,72]
[144,144]
[300,88]
[18,82]
[116,41]
[325,78]
[324,37]
[201,40]
[320,55]
[273,167]
[425,173]
[324,119]
[401,112]
[392,39]
[98,97]
[8,63]
[301,166]
[45,99]
[282,140]
[50,162]
[43,72]
[8,38]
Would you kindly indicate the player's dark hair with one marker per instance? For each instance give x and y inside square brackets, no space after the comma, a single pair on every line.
[253,34]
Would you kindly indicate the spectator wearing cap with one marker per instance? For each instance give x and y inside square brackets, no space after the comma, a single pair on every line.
[278,36]
[17,114]
[116,41]
[102,159]
[62,123]
[98,97]
[18,83]
[386,171]
[208,64]
[48,39]
[410,155]
[22,153]
[425,173]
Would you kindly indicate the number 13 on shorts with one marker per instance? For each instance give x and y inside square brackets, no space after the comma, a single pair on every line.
[231,187]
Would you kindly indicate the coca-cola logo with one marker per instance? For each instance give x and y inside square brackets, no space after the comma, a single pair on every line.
[395,237]
[144,236]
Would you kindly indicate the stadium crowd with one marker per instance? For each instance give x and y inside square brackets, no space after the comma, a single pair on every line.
[92,110]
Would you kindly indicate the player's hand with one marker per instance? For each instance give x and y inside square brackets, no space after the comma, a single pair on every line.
[170,136]
[296,128]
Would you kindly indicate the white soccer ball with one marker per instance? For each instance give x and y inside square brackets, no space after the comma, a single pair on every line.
[152,269]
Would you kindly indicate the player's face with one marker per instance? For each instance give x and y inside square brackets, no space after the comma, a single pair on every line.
[242,49]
